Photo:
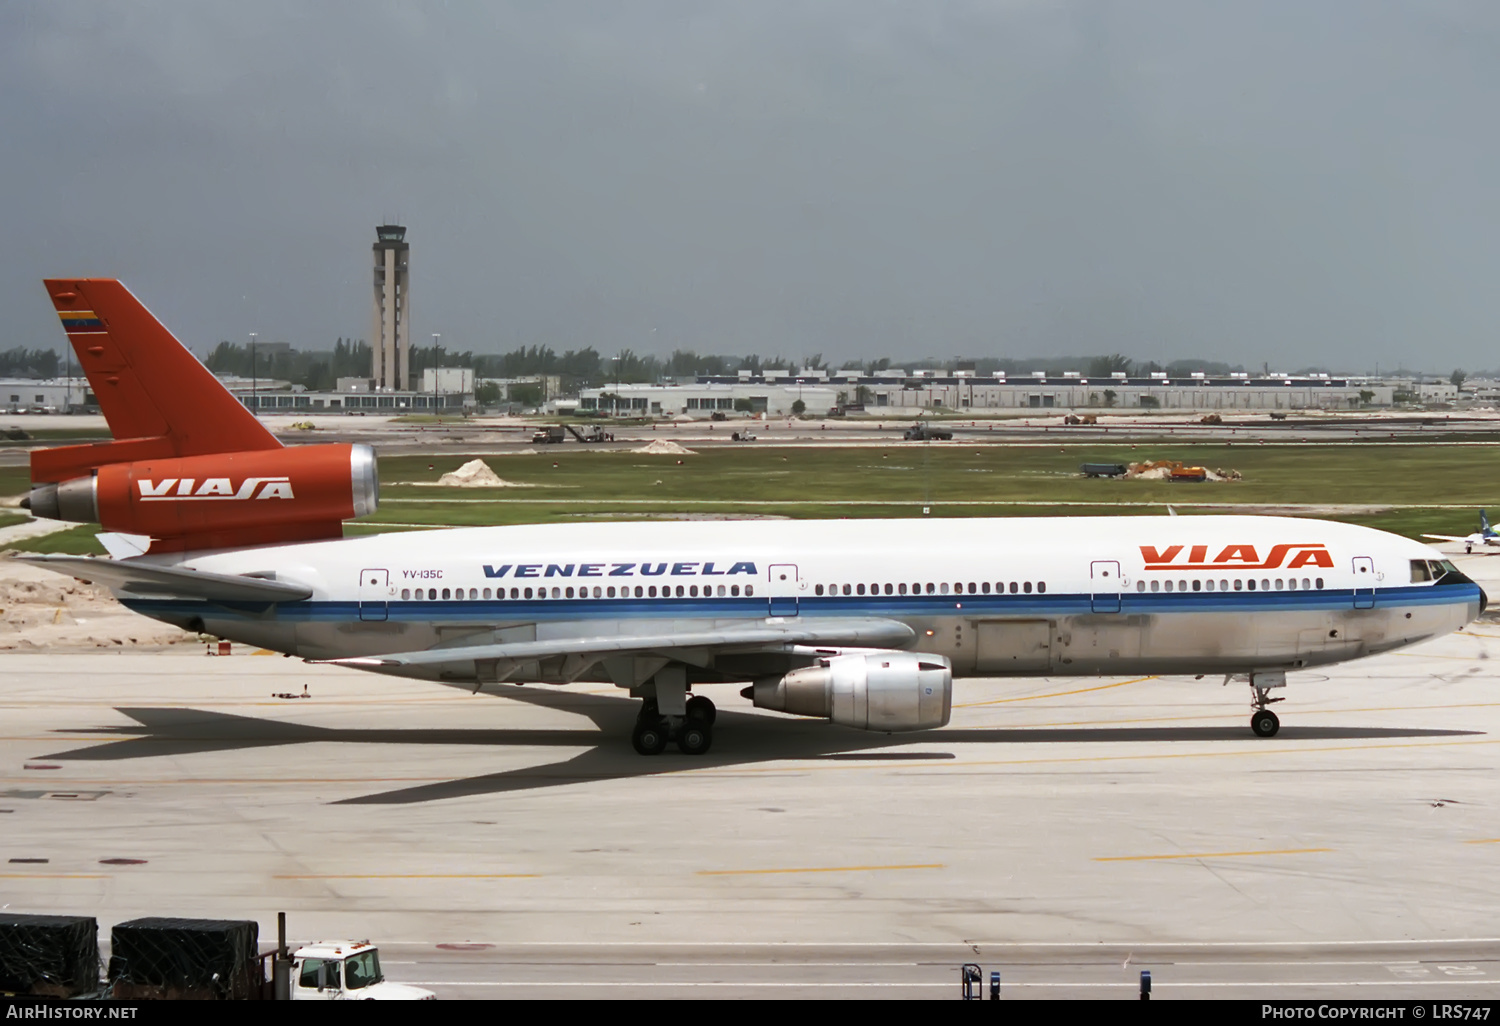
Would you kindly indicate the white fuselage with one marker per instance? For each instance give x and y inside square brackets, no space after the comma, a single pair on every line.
[1024,596]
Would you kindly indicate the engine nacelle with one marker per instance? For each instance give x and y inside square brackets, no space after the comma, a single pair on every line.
[259,493]
[886,691]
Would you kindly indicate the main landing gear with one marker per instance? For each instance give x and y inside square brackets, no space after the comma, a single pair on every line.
[693,732]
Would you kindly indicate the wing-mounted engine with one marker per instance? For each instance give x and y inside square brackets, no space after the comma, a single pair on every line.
[887,691]
[220,500]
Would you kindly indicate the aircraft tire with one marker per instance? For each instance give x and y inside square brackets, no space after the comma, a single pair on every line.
[700,708]
[694,737]
[1265,723]
[649,736]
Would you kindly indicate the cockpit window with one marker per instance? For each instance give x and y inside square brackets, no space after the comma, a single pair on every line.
[1419,571]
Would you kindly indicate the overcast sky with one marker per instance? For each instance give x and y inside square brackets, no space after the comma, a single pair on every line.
[1296,182]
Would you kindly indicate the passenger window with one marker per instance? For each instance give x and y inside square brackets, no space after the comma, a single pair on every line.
[486,593]
[1265,585]
[516,593]
[406,593]
[859,589]
[1140,585]
[1250,584]
[679,591]
[597,592]
[1318,583]
[943,588]
[1156,586]
[734,590]
[721,591]
[651,591]
[749,590]
[432,594]
[1014,587]
[901,587]
[1291,584]
[528,593]
[974,590]
[1026,587]
[930,588]
[1041,586]
[474,593]
[1237,584]
[569,593]
[445,594]
[1197,585]
[983,585]
[1223,585]
[1278,584]
[610,591]
[557,593]
[889,589]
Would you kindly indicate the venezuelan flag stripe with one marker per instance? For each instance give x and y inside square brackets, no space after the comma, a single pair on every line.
[80,320]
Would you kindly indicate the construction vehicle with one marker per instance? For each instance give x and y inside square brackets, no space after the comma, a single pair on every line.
[549,436]
[1103,469]
[594,434]
[922,431]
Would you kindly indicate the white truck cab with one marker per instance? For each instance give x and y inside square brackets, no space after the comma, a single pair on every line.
[346,971]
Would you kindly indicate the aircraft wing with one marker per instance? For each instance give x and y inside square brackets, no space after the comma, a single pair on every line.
[826,631]
[1445,537]
[146,580]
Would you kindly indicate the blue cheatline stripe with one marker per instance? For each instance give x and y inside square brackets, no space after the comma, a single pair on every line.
[892,606]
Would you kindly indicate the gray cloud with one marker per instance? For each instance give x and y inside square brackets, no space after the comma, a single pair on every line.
[1283,181]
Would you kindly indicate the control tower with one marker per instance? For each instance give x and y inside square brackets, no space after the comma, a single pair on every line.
[390,338]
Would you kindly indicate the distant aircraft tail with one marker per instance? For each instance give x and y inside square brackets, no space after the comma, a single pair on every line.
[1484,526]
[159,401]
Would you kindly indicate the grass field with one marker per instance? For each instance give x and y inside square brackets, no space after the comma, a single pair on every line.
[1407,489]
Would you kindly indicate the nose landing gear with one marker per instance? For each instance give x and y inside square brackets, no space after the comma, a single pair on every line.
[693,732]
[1263,722]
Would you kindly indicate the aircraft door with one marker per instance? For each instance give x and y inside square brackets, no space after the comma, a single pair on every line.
[1364,582]
[783,589]
[374,591]
[1105,574]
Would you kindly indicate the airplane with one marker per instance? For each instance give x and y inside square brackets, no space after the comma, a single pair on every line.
[214,526]
[1483,537]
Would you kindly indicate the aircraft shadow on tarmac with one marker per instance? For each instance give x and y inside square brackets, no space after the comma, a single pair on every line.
[740,739]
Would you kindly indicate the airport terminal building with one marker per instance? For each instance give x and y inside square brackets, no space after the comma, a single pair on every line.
[774,393]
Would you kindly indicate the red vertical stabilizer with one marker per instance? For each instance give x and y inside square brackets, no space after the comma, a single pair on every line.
[159,401]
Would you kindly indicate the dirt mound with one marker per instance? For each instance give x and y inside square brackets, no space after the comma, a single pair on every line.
[477,474]
[662,447]
[39,609]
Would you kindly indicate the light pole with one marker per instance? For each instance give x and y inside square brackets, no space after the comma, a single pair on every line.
[254,381]
[435,389]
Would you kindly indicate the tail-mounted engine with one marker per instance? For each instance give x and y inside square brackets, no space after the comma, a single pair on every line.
[885,691]
[236,498]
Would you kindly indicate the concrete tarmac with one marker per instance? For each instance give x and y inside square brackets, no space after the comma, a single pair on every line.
[1066,832]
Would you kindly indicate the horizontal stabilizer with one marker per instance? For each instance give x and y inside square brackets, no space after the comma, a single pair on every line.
[873,632]
[144,580]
